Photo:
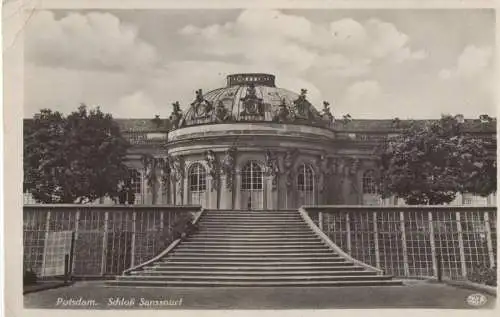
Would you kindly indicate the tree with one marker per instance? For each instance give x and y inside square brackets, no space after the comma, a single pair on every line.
[430,163]
[76,159]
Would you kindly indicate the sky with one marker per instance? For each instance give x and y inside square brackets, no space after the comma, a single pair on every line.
[371,64]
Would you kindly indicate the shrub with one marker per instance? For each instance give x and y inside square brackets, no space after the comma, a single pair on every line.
[483,274]
[29,277]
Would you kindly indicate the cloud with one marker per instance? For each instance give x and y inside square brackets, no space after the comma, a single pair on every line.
[271,38]
[93,40]
[368,68]
[363,93]
[136,105]
[342,66]
[267,38]
[473,61]
[372,39]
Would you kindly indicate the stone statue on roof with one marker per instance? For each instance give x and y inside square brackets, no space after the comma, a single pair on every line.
[252,105]
[302,107]
[327,114]
[221,113]
[201,107]
[176,115]
[282,115]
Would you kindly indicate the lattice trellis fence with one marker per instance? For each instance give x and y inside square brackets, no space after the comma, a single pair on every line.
[408,241]
[107,239]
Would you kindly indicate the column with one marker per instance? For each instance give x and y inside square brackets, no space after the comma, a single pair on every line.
[226,194]
[211,194]
[237,191]
[268,192]
[273,201]
[185,192]
[291,197]
[172,194]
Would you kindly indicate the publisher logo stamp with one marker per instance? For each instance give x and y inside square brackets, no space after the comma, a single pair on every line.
[476,299]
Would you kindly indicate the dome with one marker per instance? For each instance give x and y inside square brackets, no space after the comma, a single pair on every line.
[251,98]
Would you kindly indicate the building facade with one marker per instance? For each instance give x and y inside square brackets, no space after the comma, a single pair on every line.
[252,145]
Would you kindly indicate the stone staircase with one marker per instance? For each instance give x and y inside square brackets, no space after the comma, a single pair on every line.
[253,248]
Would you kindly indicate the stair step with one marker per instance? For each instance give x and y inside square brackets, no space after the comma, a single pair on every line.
[258,252]
[273,240]
[259,255]
[258,269]
[253,227]
[168,273]
[280,225]
[213,262]
[304,231]
[255,211]
[251,278]
[283,235]
[254,244]
[254,215]
[367,282]
[247,224]
[254,219]
[260,249]
[258,258]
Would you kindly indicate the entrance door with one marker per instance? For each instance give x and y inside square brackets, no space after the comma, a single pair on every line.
[197,185]
[252,192]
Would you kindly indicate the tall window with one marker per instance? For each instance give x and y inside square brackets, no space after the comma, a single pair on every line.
[369,184]
[197,178]
[135,182]
[305,185]
[370,189]
[305,178]
[251,176]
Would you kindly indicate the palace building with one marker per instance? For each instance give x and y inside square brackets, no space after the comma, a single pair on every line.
[252,145]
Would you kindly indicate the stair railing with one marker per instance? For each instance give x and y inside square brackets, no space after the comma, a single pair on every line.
[332,245]
[169,249]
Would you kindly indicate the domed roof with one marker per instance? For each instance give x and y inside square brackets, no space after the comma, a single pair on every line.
[251,98]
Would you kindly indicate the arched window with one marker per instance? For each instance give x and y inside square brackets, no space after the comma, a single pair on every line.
[369,184]
[197,178]
[305,178]
[251,176]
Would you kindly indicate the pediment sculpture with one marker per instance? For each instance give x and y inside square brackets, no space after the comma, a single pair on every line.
[252,105]
[282,115]
[213,168]
[288,164]
[327,114]
[272,168]
[324,172]
[228,165]
[221,113]
[165,169]
[201,107]
[176,115]
[302,107]
[178,175]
